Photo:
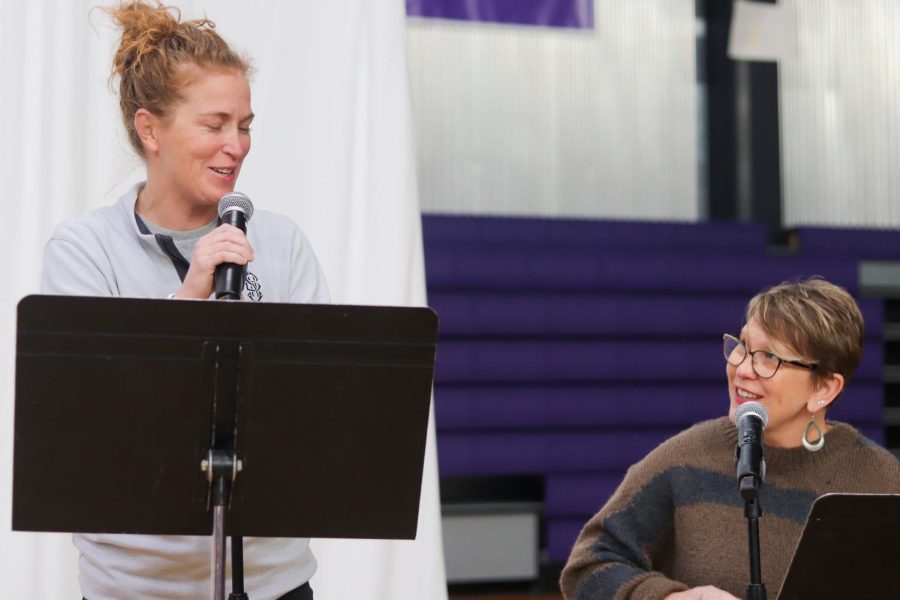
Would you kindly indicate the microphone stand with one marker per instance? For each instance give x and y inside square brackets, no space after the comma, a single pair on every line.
[756,590]
[237,569]
[750,463]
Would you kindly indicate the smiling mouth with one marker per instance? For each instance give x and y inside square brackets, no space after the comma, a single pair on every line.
[745,396]
[222,171]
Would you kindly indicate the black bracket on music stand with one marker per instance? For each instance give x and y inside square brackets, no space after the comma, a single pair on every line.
[221,469]
[284,420]
[222,464]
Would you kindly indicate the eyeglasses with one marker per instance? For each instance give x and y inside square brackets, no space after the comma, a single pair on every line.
[764,363]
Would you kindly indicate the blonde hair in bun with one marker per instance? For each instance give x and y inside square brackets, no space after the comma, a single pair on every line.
[155,47]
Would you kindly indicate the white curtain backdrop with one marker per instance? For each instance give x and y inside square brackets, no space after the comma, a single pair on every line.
[332,148]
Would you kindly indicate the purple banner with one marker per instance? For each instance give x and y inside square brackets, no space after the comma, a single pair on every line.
[545,13]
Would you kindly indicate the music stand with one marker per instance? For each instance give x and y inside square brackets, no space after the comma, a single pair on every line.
[850,548]
[122,403]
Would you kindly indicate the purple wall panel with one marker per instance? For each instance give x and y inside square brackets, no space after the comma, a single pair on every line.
[547,13]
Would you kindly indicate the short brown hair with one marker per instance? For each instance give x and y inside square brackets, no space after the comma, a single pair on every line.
[815,318]
[155,44]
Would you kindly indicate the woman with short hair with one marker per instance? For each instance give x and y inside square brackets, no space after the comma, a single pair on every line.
[675,528]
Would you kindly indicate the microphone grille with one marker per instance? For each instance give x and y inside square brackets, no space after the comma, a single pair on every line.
[236,201]
[752,408]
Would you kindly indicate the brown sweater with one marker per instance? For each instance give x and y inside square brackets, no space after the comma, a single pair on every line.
[677,520]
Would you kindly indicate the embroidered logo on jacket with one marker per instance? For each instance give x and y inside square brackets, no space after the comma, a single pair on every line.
[252,287]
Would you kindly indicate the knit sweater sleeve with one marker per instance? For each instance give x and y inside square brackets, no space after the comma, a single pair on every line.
[622,550]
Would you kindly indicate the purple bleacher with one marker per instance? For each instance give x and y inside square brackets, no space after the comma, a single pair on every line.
[735,238]
[529,407]
[576,313]
[881,244]
[576,495]
[598,405]
[553,360]
[571,348]
[554,313]
[535,268]
[561,536]
[541,452]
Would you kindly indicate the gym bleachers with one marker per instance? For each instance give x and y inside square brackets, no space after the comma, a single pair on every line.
[571,348]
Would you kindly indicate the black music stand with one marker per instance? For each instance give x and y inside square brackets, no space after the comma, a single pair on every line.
[850,548]
[139,416]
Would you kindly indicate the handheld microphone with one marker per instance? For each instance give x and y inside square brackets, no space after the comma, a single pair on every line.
[235,209]
[751,419]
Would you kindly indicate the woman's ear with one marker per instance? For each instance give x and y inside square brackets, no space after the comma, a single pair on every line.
[146,124]
[828,388]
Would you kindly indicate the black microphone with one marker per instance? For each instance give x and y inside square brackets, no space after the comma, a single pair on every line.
[751,419]
[235,209]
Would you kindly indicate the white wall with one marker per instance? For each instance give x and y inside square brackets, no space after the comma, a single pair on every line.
[840,105]
[332,149]
[560,122]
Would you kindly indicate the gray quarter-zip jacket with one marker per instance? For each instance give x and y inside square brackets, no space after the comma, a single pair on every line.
[108,253]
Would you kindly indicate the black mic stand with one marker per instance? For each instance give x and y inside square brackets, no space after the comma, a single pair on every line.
[237,569]
[750,463]
[756,590]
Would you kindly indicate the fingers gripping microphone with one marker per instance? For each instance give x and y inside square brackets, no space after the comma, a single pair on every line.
[751,419]
[235,209]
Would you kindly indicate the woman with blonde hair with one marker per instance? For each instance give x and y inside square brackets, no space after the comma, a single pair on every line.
[675,527]
[185,103]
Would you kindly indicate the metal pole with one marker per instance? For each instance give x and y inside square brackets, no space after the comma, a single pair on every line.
[218,567]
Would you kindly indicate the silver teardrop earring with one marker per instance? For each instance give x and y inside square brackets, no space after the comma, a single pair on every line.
[819,443]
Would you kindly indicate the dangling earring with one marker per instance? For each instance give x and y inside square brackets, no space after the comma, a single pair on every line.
[819,443]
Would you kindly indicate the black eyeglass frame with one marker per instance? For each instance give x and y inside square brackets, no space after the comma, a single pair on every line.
[797,363]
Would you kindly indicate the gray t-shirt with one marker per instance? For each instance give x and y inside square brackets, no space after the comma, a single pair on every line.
[184,240]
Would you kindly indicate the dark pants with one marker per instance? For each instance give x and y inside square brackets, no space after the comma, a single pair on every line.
[304,592]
